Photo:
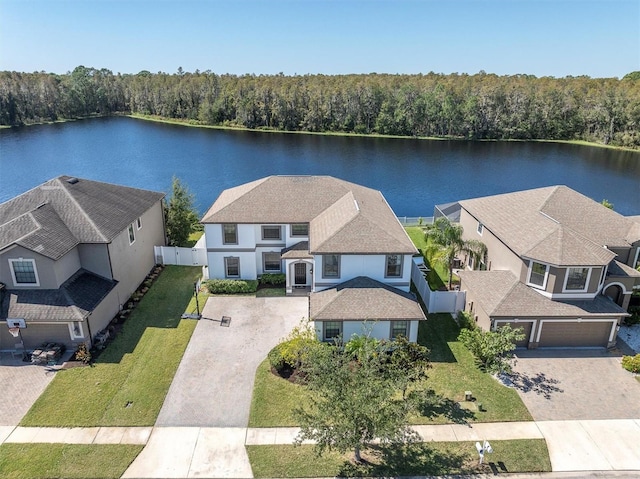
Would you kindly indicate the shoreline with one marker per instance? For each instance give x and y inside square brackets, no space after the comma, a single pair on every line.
[195,124]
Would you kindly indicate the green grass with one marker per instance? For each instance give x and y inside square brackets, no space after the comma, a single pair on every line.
[40,461]
[136,369]
[432,458]
[453,372]
[438,276]
[274,399]
[271,292]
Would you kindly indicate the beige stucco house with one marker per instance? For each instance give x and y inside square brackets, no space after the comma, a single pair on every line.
[337,240]
[558,264]
[72,251]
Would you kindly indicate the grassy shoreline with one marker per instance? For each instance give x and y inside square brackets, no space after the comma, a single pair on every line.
[196,124]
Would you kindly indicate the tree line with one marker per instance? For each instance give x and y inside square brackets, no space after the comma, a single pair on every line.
[480,106]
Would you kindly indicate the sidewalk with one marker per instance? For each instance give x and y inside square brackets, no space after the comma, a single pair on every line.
[595,445]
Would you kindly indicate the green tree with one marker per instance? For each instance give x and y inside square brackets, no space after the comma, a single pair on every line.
[607,204]
[447,243]
[354,400]
[181,218]
[493,350]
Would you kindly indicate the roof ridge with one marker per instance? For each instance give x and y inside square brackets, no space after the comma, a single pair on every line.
[544,238]
[504,298]
[356,214]
[26,213]
[84,213]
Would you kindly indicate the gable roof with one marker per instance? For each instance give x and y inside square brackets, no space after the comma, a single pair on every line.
[554,225]
[363,299]
[54,217]
[501,294]
[343,217]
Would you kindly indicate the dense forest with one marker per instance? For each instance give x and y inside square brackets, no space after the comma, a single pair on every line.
[480,106]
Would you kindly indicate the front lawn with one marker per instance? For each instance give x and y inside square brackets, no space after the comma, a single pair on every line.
[82,461]
[453,372]
[432,458]
[127,384]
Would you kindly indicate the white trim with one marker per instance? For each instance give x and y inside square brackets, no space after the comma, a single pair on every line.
[635,260]
[13,273]
[480,228]
[624,290]
[546,294]
[579,320]
[131,231]
[546,275]
[139,223]
[586,283]
[72,333]
[516,321]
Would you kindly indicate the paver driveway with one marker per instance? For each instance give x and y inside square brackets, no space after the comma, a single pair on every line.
[214,382]
[576,384]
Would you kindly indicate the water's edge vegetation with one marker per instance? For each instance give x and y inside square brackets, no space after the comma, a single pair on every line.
[599,111]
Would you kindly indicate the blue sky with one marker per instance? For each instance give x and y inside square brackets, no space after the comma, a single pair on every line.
[543,38]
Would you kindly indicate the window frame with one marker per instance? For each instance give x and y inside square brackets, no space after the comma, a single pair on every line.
[325,327]
[224,233]
[132,234]
[72,333]
[271,227]
[399,266]
[324,266]
[546,275]
[18,284]
[226,266]
[298,235]
[587,280]
[405,333]
[139,223]
[480,228]
[264,262]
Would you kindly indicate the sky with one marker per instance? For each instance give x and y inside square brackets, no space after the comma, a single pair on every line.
[598,38]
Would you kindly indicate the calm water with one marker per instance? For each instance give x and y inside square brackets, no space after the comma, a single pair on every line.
[413,174]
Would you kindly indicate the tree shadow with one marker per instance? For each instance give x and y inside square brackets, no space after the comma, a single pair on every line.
[435,405]
[417,459]
[538,383]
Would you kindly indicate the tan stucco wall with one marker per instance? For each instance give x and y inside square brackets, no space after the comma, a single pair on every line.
[95,258]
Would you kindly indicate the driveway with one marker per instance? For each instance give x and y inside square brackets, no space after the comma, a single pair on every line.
[22,383]
[214,382]
[576,384]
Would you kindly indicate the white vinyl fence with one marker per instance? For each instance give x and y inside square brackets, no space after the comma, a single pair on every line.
[436,301]
[181,256]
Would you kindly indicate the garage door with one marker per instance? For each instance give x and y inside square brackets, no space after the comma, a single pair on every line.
[574,335]
[524,325]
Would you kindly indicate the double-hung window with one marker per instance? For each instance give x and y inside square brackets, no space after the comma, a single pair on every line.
[393,266]
[300,229]
[577,279]
[271,262]
[229,234]
[538,273]
[24,272]
[132,234]
[270,232]
[331,266]
[332,330]
[232,267]
[399,328]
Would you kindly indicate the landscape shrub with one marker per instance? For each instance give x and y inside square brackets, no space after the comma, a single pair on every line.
[631,363]
[635,316]
[293,351]
[276,359]
[465,320]
[82,354]
[275,279]
[231,286]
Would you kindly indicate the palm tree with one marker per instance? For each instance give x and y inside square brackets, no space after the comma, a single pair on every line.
[447,244]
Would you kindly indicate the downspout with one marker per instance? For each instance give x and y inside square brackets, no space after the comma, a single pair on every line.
[88,318]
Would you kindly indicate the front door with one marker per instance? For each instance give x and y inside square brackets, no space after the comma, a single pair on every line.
[300,274]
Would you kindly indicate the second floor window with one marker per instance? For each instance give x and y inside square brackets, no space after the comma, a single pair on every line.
[538,274]
[577,279]
[229,234]
[394,266]
[331,266]
[132,234]
[24,272]
[271,233]
[300,229]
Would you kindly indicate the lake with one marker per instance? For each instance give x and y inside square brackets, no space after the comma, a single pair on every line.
[414,175]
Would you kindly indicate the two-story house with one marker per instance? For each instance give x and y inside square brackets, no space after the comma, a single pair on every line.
[72,251]
[338,240]
[558,264]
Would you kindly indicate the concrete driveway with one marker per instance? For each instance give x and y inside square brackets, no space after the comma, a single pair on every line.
[214,382]
[576,384]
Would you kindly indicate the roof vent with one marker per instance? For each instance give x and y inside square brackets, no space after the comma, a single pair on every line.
[73,181]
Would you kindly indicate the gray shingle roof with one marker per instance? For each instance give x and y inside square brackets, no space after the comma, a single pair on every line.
[501,294]
[297,251]
[54,217]
[363,299]
[73,301]
[554,225]
[343,217]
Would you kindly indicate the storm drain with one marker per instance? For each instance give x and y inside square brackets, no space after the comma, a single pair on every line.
[226,321]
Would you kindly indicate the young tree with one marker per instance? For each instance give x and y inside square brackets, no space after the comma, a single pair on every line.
[354,400]
[493,350]
[447,244]
[180,214]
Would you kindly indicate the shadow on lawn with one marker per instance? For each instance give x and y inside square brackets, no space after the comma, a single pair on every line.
[435,405]
[436,333]
[410,460]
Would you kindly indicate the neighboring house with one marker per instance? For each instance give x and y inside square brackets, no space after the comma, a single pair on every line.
[72,251]
[558,264]
[337,240]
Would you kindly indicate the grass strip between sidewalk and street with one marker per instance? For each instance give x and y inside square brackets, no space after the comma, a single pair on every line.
[420,459]
[71,461]
[128,382]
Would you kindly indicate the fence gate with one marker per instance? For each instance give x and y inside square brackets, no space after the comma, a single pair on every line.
[181,256]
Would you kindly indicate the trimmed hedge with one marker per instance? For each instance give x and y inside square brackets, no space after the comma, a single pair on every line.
[231,286]
[631,363]
[275,279]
